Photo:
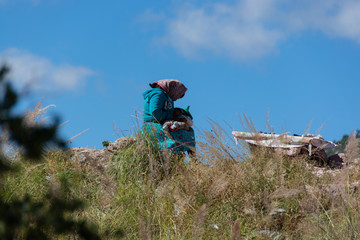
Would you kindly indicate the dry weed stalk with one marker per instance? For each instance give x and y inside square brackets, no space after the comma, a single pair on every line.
[144,230]
[199,221]
[165,162]
[269,128]
[180,201]
[154,168]
[72,138]
[318,131]
[218,145]
[235,231]
[248,125]
[352,149]
[307,127]
[218,187]
[120,132]
[186,186]
[36,116]
[31,117]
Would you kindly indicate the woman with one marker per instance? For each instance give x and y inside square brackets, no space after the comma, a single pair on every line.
[159,108]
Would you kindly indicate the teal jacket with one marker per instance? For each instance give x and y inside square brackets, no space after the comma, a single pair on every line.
[158,106]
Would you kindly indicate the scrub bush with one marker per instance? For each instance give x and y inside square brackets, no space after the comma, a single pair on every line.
[46,214]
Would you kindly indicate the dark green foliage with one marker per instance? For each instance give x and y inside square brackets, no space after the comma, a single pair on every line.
[26,218]
[32,139]
[105,143]
[341,144]
[35,220]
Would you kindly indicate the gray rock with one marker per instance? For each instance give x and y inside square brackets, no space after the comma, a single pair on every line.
[93,157]
[120,143]
[99,159]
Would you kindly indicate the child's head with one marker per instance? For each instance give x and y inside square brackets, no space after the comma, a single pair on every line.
[183,115]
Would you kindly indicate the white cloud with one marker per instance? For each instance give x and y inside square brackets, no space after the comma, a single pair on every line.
[41,74]
[221,32]
[250,29]
[346,22]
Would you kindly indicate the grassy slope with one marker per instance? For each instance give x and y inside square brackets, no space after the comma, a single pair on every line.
[150,195]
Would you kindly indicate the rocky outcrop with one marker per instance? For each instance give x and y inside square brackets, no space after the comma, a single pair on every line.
[99,158]
[120,143]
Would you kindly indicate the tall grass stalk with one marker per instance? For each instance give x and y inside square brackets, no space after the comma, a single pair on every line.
[230,194]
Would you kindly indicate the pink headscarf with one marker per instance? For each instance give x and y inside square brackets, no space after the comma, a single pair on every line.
[174,88]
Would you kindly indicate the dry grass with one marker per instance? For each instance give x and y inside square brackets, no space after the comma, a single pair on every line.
[32,117]
[352,149]
[232,194]
[37,114]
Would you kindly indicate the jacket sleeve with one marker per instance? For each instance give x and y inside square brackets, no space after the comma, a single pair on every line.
[157,102]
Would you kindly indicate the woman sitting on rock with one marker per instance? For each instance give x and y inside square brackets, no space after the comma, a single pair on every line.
[159,109]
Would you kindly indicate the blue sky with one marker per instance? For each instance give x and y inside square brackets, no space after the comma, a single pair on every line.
[93,59]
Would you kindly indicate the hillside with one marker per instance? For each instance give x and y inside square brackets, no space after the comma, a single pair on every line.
[134,191]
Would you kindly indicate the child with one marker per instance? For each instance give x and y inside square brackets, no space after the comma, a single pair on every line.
[182,120]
